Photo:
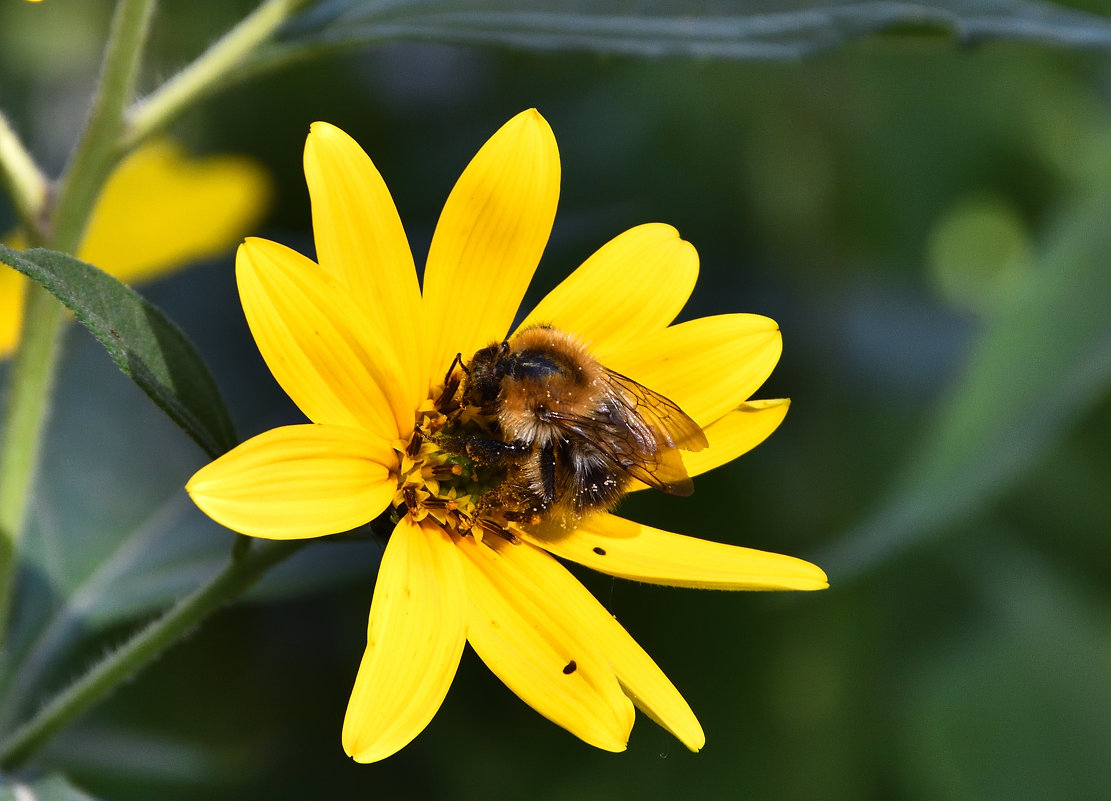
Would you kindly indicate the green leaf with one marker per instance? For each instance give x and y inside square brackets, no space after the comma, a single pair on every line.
[112,537]
[142,341]
[1043,358]
[48,788]
[745,29]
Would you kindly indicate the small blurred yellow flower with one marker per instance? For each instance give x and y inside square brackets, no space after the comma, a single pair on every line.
[364,352]
[159,211]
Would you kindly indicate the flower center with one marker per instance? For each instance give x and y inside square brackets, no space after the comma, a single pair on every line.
[434,481]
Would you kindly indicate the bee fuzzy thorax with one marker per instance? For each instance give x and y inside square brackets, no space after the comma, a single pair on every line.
[548,374]
[551,435]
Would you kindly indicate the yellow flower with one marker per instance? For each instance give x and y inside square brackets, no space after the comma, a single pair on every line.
[154,216]
[364,353]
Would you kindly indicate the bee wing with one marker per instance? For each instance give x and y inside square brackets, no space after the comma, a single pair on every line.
[639,431]
[660,413]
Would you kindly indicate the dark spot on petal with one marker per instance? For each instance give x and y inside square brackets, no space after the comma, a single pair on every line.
[570,668]
[599,550]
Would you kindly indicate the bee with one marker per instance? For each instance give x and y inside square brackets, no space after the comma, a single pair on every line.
[571,434]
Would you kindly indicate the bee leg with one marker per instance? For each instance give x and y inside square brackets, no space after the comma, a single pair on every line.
[447,401]
[529,492]
[516,503]
[485,451]
[544,483]
[495,452]
[456,445]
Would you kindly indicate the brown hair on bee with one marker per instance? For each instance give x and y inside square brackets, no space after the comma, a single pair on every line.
[571,433]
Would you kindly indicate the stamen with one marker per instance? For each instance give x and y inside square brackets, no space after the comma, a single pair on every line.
[442,471]
[433,502]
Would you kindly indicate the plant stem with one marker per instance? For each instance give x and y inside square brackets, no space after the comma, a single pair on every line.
[32,377]
[235,579]
[104,142]
[208,72]
[22,180]
[36,358]
[99,150]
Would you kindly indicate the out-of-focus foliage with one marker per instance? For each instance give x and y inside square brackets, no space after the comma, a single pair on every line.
[928,223]
[51,788]
[1043,357]
[718,28]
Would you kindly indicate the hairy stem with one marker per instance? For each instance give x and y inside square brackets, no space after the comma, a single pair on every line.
[231,582]
[36,358]
[211,70]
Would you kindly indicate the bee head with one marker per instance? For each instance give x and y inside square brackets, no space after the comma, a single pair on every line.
[485,374]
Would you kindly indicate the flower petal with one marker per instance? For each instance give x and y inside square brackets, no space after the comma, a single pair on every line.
[161,209]
[708,365]
[414,641]
[529,635]
[737,433]
[733,435]
[297,482]
[154,216]
[310,334]
[648,687]
[12,287]
[634,284]
[622,548]
[489,238]
[643,681]
[361,242]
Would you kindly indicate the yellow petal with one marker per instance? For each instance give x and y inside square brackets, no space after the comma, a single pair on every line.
[414,640]
[641,678]
[733,435]
[488,240]
[737,433]
[708,366]
[161,209]
[12,287]
[360,241]
[297,482]
[529,635]
[622,548]
[310,334]
[634,284]
[644,682]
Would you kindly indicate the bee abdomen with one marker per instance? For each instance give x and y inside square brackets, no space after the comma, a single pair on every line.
[590,482]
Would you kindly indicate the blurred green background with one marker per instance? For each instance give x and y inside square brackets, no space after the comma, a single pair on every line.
[928,223]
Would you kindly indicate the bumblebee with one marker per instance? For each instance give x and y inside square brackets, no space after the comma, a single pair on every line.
[570,433]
